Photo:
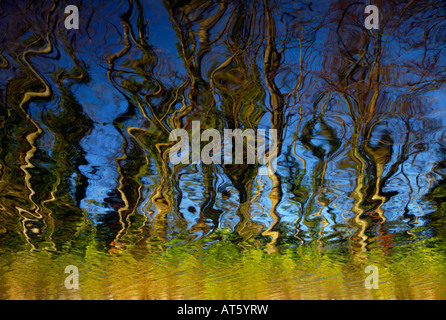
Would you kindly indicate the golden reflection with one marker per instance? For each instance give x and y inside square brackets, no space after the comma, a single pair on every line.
[85,171]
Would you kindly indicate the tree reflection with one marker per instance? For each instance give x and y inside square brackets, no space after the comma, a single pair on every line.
[350,105]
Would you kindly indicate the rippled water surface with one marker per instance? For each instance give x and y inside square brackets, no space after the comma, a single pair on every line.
[86,179]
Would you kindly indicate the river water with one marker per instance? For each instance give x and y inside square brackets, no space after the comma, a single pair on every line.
[86,179]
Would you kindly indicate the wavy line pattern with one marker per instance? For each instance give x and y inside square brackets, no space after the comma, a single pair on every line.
[85,118]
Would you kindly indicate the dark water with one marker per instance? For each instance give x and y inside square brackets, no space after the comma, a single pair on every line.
[85,177]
